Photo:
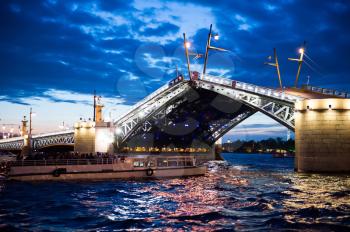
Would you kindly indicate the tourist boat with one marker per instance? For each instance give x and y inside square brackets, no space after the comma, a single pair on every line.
[107,168]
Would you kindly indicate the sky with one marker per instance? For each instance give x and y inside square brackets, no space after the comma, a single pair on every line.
[54,54]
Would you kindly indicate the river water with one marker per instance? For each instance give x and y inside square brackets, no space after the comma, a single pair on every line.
[248,192]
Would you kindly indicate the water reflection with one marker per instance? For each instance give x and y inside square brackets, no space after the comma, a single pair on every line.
[318,199]
[249,192]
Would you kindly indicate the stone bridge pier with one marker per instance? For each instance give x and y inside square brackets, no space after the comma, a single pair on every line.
[322,135]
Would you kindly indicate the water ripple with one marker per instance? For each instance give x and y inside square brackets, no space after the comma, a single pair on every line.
[248,192]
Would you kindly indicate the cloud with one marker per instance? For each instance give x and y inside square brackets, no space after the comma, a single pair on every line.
[57,106]
[161,30]
[127,49]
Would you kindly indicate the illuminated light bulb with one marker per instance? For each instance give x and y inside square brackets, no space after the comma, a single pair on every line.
[188,44]
[301,50]
[216,37]
[118,131]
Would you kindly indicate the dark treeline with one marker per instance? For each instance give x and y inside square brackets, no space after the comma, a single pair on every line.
[267,145]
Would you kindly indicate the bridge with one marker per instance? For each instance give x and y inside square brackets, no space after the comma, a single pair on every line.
[40,141]
[198,112]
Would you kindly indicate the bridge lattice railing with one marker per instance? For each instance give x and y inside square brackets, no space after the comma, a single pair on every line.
[151,104]
[278,94]
[142,102]
[273,103]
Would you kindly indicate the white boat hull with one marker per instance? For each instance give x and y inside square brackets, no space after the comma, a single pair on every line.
[80,172]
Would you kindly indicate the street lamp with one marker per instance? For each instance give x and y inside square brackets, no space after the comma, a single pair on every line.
[62,127]
[118,131]
[3,131]
[187,45]
[300,62]
[216,37]
[277,67]
[31,114]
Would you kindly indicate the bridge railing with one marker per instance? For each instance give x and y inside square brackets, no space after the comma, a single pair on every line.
[326,91]
[62,162]
[250,88]
[9,140]
[42,135]
[152,95]
[149,97]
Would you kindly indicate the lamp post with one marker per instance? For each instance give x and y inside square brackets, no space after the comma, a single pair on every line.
[216,37]
[62,127]
[30,121]
[300,62]
[277,67]
[207,50]
[31,114]
[94,116]
[308,80]
[3,131]
[187,45]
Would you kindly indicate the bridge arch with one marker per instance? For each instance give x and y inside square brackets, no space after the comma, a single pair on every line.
[157,112]
[272,103]
[202,109]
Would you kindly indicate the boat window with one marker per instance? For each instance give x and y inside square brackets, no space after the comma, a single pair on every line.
[162,163]
[181,162]
[189,163]
[172,163]
[150,164]
[138,163]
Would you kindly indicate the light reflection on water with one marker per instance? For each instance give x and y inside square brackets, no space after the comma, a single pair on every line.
[249,192]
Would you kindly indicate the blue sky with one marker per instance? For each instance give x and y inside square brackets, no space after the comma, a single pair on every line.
[53,54]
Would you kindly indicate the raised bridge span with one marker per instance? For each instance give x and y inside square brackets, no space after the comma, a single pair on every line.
[156,106]
[196,113]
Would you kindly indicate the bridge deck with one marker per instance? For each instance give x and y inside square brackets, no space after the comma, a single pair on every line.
[303,93]
[276,104]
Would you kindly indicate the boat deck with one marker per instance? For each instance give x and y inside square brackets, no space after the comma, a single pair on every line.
[104,168]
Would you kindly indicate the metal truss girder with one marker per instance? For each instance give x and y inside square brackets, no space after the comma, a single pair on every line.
[13,145]
[141,115]
[281,111]
[148,123]
[40,141]
[64,139]
[219,132]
